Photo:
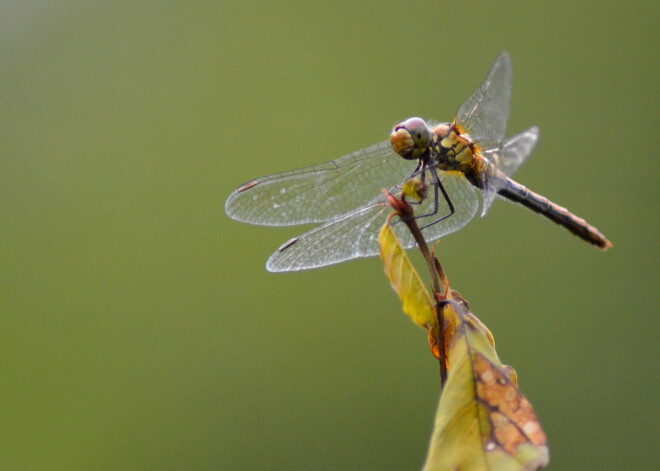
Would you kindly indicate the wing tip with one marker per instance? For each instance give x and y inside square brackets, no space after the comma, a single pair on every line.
[231,209]
[272,265]
[246,186]
[535,130]
[287,244]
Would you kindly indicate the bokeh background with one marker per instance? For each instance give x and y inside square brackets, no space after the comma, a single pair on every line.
[139,329]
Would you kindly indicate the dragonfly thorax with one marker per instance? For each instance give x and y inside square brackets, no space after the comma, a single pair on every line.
[452,148]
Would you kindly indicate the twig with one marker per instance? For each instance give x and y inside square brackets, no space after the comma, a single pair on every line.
[407,215]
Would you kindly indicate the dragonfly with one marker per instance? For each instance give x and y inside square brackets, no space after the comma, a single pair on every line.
[456,160]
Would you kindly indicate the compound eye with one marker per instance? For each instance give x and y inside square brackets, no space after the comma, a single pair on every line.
[419,132]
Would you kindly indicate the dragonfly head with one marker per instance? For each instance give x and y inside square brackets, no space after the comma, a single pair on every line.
[411,138]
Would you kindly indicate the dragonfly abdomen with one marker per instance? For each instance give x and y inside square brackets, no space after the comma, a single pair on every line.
[518,193]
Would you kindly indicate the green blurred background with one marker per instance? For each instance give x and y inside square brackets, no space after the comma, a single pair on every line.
[139,329]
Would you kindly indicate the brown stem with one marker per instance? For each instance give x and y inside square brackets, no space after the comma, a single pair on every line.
[407,216]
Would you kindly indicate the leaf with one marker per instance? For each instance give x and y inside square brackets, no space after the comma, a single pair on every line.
[483,422]
[405,281]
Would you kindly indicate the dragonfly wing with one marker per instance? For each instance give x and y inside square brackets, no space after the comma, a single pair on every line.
[508,158]
[465,202]
[355,234]
[485,113]
[516,149]
[352,235]
[320,192]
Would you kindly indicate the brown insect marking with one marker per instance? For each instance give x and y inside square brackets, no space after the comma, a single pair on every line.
[247,185]
[287,244]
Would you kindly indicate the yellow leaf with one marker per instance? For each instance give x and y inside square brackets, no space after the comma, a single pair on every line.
[483,422]
[405,280]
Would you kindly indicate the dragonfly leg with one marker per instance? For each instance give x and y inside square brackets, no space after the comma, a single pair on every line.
[420,169]
[438,185]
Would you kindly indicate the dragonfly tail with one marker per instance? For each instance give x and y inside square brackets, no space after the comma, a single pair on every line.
[516,192]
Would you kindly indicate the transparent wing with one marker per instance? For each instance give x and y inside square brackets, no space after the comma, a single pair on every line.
[516,149]
[319,192]
[355,234]
[508,158]
[485,113]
